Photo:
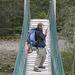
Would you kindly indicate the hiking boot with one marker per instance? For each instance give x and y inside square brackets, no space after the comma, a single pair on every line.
[42,67]
[36,69]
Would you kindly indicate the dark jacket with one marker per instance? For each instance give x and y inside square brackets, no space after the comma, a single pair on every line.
[40,38]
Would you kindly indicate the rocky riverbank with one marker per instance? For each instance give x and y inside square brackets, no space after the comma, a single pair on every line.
[8,53]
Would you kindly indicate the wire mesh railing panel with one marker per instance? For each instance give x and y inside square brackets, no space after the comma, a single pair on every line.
[20,64]
[57,66]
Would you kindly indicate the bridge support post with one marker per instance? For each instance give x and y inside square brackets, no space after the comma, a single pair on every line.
[55,8]
[24,5]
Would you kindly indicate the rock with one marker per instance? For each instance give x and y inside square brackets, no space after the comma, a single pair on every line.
[6,70]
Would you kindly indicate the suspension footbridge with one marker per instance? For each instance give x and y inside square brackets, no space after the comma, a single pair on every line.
[24,63]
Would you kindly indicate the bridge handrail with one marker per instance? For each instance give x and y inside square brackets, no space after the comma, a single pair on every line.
[20,65]
[57,66]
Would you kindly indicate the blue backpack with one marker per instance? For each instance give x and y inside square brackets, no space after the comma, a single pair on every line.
[31,37]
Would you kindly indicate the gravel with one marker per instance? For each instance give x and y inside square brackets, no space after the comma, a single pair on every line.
[8,45]
[13,45]
[62,45]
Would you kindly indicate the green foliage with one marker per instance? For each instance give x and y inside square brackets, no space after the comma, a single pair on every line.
[0,67]
[1,73]
[5,68]
[42,15]
[18,28]
[12,12]
[67,61]
[0,43]
[65,10]
[11,18]
[10,37]
[39,9]
[7,65]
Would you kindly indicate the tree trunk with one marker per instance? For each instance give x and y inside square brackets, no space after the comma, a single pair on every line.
[13,13]
[73,61]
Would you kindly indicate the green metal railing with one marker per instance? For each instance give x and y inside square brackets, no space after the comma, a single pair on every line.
[20,65]
[57,66]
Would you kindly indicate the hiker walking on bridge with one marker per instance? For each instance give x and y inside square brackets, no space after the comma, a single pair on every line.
[41,50]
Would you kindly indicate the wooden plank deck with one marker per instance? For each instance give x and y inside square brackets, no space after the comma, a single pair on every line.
[31,57]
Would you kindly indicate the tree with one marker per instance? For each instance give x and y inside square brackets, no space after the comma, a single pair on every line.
[11,17]
[39,9]
[69,33]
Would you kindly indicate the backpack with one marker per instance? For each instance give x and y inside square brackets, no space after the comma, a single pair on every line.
[31,37]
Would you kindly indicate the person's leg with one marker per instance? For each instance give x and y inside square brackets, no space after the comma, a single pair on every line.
[38,60]
[43,58]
